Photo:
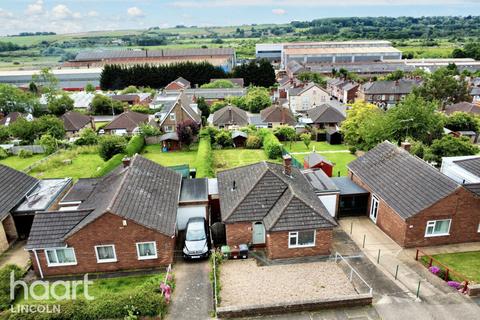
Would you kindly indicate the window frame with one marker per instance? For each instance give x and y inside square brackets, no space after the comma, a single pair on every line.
[429,224]
[58,264]
[292,234]
[106,260]
[172,116]
[168,128]
[149,257]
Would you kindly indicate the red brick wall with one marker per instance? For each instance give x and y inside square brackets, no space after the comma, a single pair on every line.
[108,229]
[180,116]
[277,245]
[238,233]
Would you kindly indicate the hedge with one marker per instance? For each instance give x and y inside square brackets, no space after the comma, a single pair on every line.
[147,301]
[5,283]
[135,145]
[111,164]
[272,147]
[204,161]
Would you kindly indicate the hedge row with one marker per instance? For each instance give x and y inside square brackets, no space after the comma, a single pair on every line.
[204,161]
[146,301]
[111,164]
[5,283]
[135,145]
[272,147]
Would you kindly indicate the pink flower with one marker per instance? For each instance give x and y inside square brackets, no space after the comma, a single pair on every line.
[434,269]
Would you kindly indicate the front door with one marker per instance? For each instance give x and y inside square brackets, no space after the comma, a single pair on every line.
[258,233]
[374,209]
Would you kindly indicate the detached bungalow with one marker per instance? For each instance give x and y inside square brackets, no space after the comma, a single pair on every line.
[414,203]
[276,115]
[274,206]
[73,122]
[126,123]
[127,222]
[325,115]
[230,117]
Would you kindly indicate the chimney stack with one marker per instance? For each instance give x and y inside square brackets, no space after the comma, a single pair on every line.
[126,162]
[406,145]
[287,164]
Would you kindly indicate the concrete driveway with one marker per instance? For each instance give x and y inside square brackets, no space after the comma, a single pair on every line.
[193,296]
[16,255]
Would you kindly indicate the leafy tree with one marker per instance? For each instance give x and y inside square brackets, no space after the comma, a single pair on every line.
[449,146]
[4,134]
[48,143]
[285,133]
[87,137]
[257,99]
[130,89]
[224,138]
[147,130]
[253,142]
[186,131]
[58,105]
[90,88]
[49,124]
[257,73]
[442,86]
[23,129]
[306,138]
[217,105]
[396,75]
[357,115]
[462,121]
[105,105]
[14,99]
[203,107]
[237,102]
[141,109]
[314,77]
[110,145]
[220,83]
[48,82]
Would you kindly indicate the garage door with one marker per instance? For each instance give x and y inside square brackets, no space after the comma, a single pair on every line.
[185,213]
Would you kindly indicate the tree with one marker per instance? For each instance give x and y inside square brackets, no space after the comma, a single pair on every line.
[90,88]
[203,107]
[306,138]
[58,105]
[443,87]
[285,133]
[359,113]
[48,82]
[462,121]
[4,134]
[396,75]
[224,138]
[48,143]
[220,83]
[110,145]
[130,89]
[186,131]
[257,73]
[13,99]
[23,129]
[314,77]
[105,105]
[449,146]
[148,130]
[217,105]
[51,125]
[257,99]
[88,137]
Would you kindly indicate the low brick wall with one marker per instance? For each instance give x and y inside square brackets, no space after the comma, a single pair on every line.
[306,305]
[474,290]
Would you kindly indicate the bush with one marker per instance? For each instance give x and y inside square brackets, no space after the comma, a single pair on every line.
[272,147]
[111,145]
[135,145]
[5,283]
[209,132]
[204,161]
[88,137]
[3,154]
[352,149]
[48,143]
[224,139]
[142,109]
[306,138]
[285,133]
[253,142]
[147,130]
[25,154]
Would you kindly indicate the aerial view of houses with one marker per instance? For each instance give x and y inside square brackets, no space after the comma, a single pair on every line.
[195,169]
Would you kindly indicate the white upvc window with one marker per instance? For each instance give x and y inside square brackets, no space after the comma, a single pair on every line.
[147,250]
[168,128]
[478,228]
[60,257]
[172,116]
[437,228]
[301,239]
[106,253]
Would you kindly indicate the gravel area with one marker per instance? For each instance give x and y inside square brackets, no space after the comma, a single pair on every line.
[244,283]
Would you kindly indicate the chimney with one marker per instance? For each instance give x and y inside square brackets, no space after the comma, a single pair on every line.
[406,145]
[287,164]
[126,162]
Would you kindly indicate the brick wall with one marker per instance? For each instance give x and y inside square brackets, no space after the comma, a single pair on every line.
[238,233]
[277,245]
[180,116]
[108,229]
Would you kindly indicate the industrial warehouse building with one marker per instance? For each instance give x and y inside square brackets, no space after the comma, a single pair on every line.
[328,52]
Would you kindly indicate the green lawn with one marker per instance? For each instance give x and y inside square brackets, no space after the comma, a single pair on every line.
[21,163]
[100,287]
[173,158]
[339,159]
[231,158]
[299,146]
[465,263]
[82,166]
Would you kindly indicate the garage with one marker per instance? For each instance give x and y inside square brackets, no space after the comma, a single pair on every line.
[353,199]
[193,201]
[324,188]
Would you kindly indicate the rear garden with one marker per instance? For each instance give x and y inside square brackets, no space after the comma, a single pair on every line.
[465,263]
[19,163]
[172,158]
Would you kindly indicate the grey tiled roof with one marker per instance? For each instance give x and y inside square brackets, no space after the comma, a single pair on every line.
[406,183]
[401,86]
[14,186]
[230,115]
[473,187]
[74,121]
[314,158]
[277,113]
[263,192]
[128,120]
[463,107]
[471,165]
[325,113]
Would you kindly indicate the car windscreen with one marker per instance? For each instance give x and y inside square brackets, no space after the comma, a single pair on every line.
[195,232]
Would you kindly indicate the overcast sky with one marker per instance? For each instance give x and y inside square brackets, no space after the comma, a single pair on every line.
[68,16]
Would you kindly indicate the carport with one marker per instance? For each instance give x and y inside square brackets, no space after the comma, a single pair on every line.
[353,200]
[193,201]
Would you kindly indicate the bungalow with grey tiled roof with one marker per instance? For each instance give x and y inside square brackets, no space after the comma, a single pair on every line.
[74,122]
[413,202]
[274,206]
[114,226]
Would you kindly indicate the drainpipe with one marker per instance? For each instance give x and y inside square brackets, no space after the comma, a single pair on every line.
[38,263]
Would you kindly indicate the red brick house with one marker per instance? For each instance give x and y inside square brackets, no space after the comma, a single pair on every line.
[178,84]
[316,161]
[274,206]
[414,203]
[181,110]
[127,222]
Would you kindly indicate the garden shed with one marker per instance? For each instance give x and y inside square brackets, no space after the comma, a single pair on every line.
[239,138]
[334,136]
[170,141]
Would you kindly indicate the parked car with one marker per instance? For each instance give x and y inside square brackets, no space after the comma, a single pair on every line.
[196,239]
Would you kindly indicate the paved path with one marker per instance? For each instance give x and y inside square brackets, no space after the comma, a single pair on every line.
[16,255]
[192,297]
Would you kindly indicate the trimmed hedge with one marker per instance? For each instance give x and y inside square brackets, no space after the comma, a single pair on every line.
[135,145]
[147,301]
[5,283]
[204,161]
[110,165]
[272,147]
